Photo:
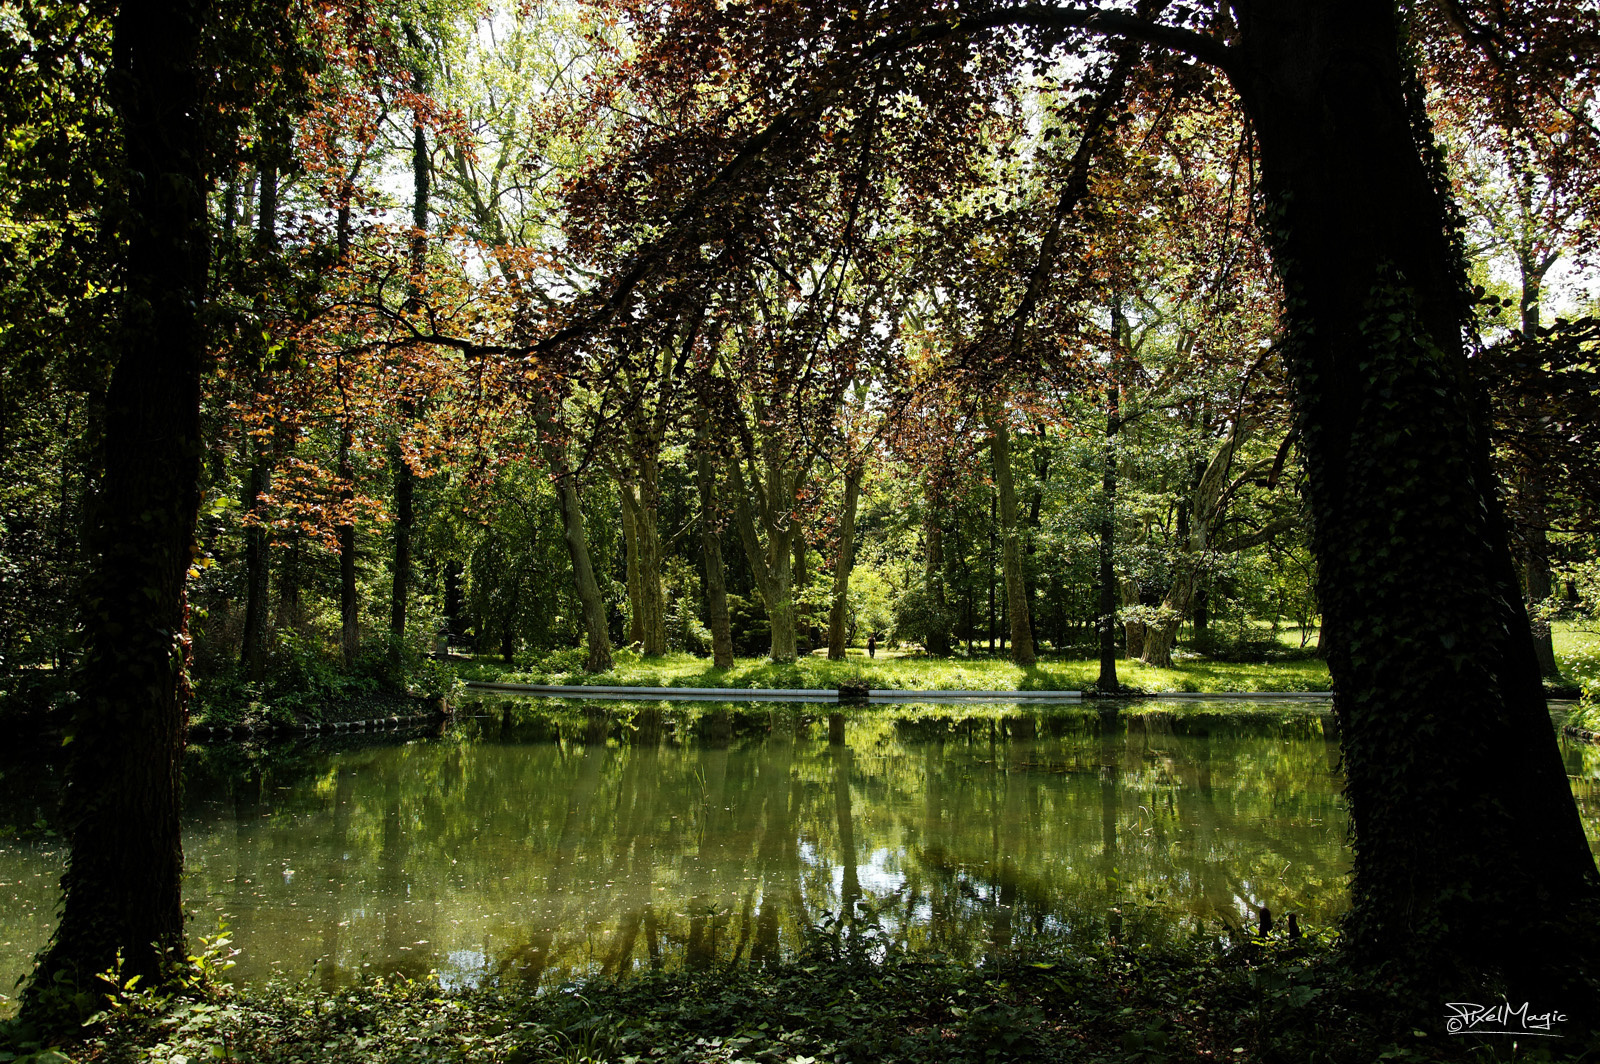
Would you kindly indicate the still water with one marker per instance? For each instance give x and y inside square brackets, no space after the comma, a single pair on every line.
[543,840]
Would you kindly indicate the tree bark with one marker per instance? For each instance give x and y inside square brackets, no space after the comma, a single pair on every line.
[404,479]
[1106,622]
[772,564]
[933,577]
[404,518]
[345,531]
[630,552]
[257,453]
[839,614]
[640,513]
[125,863]
[711,554]
[349,605]
[588,588]
[1017,606]
[1469,858]
[258,479]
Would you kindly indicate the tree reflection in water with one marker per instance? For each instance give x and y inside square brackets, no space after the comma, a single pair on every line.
[542,841]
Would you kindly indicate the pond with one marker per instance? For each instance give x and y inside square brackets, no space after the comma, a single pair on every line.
[542,840]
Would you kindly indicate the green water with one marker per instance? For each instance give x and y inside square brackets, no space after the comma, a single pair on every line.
[545,840]
[539,841]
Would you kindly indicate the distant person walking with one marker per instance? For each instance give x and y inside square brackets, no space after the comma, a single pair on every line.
[872,646]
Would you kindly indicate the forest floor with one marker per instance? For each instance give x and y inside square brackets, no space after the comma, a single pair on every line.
[841,1001]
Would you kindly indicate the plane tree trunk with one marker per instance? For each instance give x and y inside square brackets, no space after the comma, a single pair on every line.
[933,578]
[772,561]
[839,614]
[1106,609]
[1017,606]
[711,552]
[596,631]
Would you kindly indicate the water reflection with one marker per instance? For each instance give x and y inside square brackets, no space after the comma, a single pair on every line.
[542,840]
[537,842]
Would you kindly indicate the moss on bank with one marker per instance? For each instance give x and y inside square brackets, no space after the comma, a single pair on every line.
[1277,1001]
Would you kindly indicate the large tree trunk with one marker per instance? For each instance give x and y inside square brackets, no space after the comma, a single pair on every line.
[257,451]
[125,865]
[711,553]
[649,603]
[349,605]
[258,479]
[1531,481]
[1106,619]
[933,577]
[630,553]
[1469,856]
[1017,605]
[345,531]
[404,518]
[839,614]
[404,479]
[1536,573]
[588,588]
[771,564]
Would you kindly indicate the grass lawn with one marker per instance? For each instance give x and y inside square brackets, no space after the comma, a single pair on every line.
[906,671]
[1577,646]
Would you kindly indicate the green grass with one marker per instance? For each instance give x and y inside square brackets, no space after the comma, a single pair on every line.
[892,671]
[1577,646]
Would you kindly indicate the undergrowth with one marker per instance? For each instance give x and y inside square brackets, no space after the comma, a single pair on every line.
[845,999]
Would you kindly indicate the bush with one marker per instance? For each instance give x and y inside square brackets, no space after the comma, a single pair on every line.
[305,682]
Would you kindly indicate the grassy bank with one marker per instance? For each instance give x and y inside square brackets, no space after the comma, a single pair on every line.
[900,671]
[1278,1002]
[1577,646]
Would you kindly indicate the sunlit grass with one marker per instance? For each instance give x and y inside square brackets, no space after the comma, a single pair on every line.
[1577,645]
[895,671]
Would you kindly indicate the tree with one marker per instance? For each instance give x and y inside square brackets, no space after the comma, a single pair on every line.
[1456,827]
[123,877]
[1448,851]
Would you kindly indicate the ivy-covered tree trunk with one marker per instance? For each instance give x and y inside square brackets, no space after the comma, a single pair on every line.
[125,864]
[1470,859]
[839,612]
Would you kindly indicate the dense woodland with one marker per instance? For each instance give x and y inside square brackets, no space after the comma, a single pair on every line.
[335,334]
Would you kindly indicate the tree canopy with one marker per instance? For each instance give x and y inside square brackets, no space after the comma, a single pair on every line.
[329,332]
